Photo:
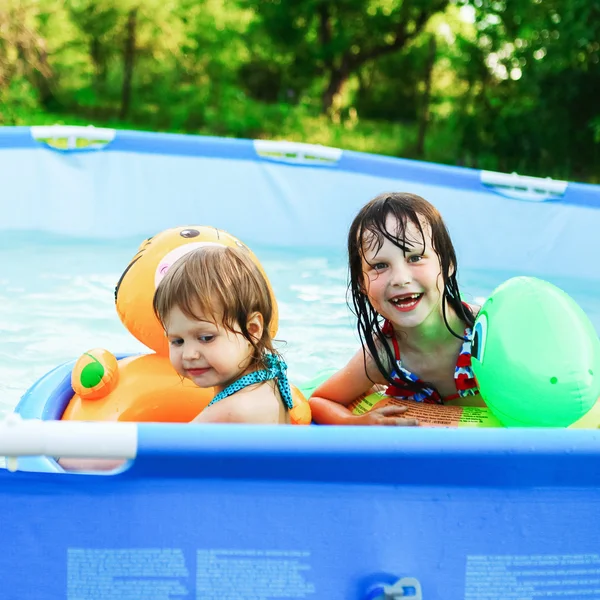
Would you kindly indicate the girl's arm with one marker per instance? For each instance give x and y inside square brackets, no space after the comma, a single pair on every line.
[330,400]
[224,412]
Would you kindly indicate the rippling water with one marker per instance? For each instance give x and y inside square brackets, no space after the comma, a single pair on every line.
[56,301]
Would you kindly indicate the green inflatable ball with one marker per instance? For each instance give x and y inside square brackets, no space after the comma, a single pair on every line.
[536,355]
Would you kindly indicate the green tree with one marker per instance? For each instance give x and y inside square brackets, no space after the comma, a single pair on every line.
[333,39]
[541,103]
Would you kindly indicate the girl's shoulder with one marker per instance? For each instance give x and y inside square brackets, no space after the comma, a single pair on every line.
[259,403]
[475,308]
[385,352]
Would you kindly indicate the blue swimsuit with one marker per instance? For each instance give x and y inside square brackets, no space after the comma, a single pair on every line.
[276,369]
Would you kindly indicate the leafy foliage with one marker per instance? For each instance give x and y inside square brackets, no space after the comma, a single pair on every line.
[498,84]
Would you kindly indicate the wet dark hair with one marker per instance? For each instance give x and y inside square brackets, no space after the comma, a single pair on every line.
[368,230]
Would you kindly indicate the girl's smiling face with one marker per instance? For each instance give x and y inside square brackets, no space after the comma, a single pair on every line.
[405,287]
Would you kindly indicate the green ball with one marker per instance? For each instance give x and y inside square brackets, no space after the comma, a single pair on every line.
[535,355]
[91,375]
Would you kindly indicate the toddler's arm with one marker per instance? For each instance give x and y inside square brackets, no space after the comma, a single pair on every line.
[90,464]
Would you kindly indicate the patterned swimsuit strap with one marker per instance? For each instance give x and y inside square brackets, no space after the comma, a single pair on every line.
[276,369]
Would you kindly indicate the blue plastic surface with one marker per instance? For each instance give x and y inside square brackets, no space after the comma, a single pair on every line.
[215,511]
[142,183]
[257,513]
[47,400]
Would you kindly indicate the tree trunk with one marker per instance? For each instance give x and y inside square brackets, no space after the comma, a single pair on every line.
[337,81]
[425,106]
[33,58]
[325,35]
[128,61]
[97,54]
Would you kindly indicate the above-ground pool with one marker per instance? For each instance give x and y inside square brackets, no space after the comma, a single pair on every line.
[259,513]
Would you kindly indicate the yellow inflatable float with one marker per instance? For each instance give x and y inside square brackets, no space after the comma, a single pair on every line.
[435,415]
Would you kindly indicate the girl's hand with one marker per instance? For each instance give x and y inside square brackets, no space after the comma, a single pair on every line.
[386,415]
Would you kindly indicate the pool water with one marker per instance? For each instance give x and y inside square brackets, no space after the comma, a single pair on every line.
[57,301]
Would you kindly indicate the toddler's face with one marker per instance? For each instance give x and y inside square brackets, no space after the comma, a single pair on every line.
[207,353]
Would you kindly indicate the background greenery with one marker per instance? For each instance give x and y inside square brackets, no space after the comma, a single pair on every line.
[510,85]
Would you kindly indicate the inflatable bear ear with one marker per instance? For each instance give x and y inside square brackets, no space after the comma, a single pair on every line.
[95,374]
[135,290]
[535,355]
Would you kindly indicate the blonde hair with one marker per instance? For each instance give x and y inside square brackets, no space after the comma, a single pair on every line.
[224,284]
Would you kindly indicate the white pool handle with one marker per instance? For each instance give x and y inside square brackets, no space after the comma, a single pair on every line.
[297,152]
[522,187]
[67,439]
[99,136]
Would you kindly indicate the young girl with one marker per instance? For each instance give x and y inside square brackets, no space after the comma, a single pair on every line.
[416,332]
[215,307]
